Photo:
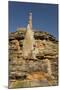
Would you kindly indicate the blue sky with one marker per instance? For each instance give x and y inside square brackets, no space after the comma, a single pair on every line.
[44,16]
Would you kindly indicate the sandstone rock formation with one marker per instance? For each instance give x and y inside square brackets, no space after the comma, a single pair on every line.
[20,68]
[40,67]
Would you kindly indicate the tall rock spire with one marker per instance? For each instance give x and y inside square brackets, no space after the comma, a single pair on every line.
[30,20]
[29,38]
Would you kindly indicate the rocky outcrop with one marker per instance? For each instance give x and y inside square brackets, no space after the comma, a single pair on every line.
[37,35]
[39,71]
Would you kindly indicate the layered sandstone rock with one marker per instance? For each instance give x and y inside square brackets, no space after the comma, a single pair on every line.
[42,70]
[33,58]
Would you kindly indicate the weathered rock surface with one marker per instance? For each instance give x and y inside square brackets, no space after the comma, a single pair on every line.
[36,70]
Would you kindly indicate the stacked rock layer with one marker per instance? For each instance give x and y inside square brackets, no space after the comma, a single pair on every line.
[28,71]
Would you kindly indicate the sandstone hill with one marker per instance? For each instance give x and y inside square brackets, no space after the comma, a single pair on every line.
[28,72]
